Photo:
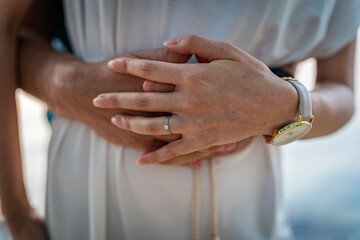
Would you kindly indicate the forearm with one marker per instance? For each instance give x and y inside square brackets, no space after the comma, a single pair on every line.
[12,190]
[333,97]
[39,68]
[63,81]
[333,106]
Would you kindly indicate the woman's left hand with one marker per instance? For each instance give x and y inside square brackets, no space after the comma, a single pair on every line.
[226,98]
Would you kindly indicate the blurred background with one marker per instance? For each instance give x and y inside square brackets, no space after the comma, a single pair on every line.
[321,176]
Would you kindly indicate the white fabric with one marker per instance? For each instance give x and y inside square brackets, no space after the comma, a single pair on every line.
[97,191]
[155,202]
[274,31]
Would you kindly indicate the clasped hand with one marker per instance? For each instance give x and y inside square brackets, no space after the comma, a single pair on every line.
[227,97]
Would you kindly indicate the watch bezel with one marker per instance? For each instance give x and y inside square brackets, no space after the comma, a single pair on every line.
[288,127]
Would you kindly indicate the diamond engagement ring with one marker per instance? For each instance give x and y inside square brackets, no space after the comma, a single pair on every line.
[167,126]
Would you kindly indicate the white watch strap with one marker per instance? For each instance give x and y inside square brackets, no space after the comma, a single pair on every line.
[305,105]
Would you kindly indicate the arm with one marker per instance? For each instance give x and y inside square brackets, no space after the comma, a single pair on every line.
[333,96]
[232,97]
[68,85]
[14,202]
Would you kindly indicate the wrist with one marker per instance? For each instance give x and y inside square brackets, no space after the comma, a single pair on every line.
[16,211]
[295,130]
[66,81]
[18,220]
[285,108]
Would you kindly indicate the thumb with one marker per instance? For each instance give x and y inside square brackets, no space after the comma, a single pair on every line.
[203,48]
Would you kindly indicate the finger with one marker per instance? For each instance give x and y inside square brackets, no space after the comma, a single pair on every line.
[190,158]
[154,146]
[228,147]
[151,86]
[202,60]
[160,141]
[147,126]
[160,54]
[147,102]
[169,151]
[225,148]
[153,70]
[168,138]
[212,149]
[203,47]
[221,148]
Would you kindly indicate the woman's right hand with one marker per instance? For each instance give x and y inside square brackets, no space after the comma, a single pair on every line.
[27,225]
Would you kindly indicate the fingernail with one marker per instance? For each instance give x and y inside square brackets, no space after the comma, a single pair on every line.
[172,42]
[117,120]
[114,64]
[149,86]
[100,101]
[142,161]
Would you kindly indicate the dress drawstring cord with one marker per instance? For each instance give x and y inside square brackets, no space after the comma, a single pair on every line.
[196,213]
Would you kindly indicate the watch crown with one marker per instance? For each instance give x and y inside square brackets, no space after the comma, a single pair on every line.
[298,119]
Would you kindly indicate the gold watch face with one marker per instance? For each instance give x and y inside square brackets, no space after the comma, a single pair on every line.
[291,133]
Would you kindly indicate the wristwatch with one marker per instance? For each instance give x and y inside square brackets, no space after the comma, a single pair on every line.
[302,126]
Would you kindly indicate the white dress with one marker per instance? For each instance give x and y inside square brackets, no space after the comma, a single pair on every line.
[95,188]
